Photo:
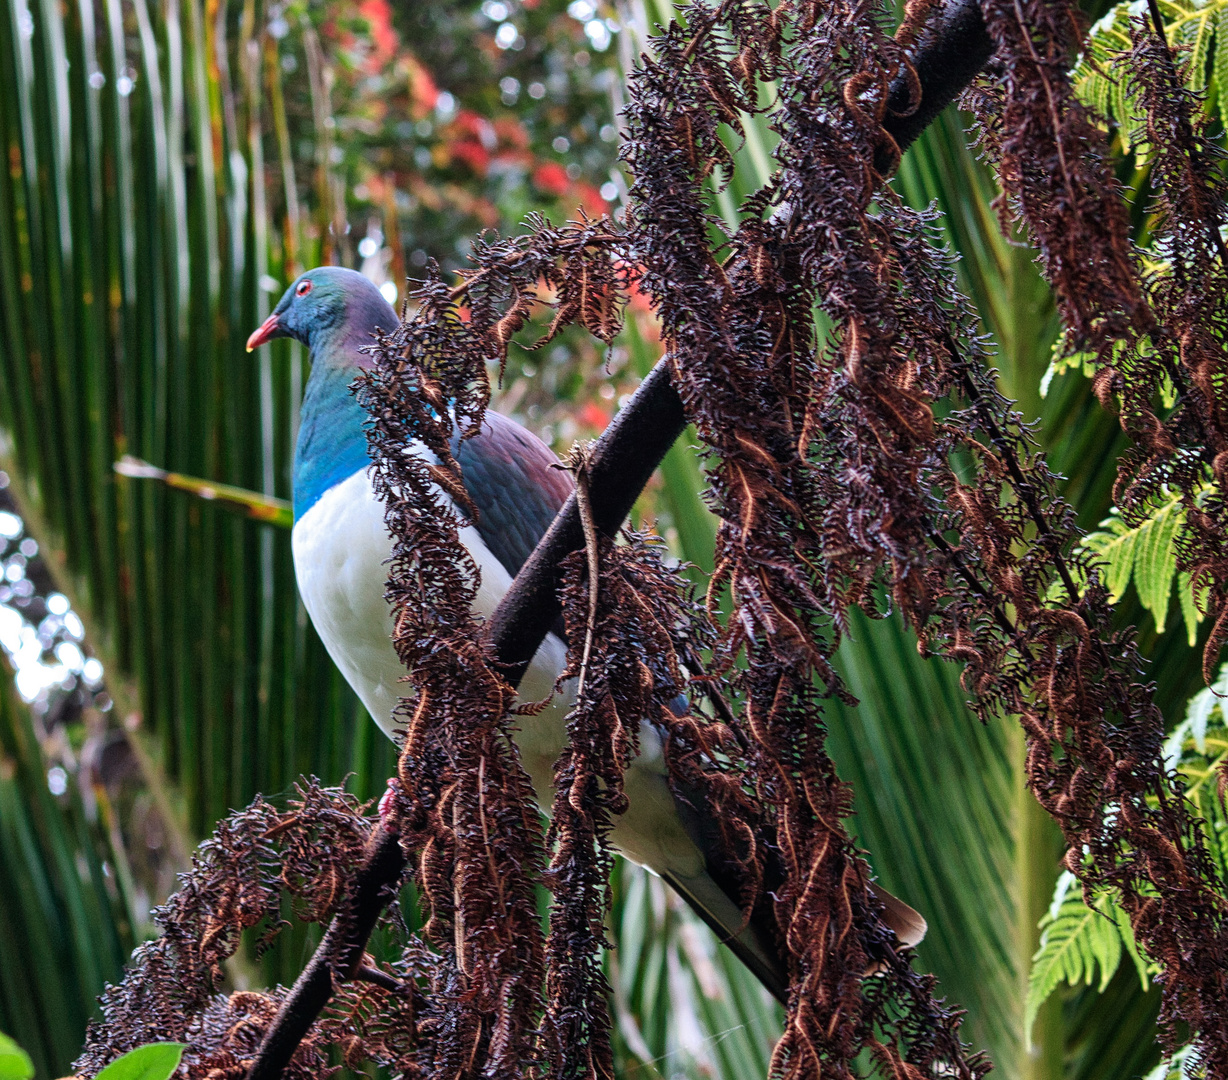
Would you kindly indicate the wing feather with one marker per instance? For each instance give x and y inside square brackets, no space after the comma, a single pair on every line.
[513,479]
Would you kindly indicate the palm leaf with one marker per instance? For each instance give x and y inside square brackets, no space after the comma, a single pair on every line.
[129,276]
[65,921]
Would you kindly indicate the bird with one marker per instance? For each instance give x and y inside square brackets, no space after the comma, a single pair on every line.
[341,545]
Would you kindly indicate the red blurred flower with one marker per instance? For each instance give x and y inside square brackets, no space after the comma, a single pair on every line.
[384,41]
[472,153]
[511,132]
[551,177]
[593,415]
[470,138]
[423,92]
[590,198]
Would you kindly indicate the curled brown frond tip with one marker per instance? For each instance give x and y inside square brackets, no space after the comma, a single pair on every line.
[241,879]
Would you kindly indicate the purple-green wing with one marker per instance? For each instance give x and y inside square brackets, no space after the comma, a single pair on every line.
[513,479]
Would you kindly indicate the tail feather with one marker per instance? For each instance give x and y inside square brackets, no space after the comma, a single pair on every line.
[757,949]
[908,925]
[714,893]
[726,921]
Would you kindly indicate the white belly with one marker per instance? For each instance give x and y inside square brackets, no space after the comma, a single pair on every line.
[340,549]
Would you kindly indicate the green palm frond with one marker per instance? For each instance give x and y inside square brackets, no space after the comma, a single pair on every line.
[138,247]
[682,1006]
[66,919]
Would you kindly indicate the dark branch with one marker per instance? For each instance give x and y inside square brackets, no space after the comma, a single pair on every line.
[339,954]
[948,55]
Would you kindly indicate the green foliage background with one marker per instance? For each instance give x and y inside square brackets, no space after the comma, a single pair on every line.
[144,234]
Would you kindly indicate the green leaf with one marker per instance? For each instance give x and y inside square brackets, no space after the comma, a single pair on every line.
[1181,1066]
[1148,553]
[1190,614]
[156,1061]
[1076,942]
[15,1063]
[1203,33]
[1114,543]
[1121,920]
[1220,60]
[1063,362]
[1155,559]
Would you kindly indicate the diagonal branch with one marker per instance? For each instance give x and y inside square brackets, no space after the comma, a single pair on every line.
[948,54]
[338,956]
[621,463]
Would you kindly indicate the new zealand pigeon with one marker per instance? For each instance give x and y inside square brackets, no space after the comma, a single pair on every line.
[341,544]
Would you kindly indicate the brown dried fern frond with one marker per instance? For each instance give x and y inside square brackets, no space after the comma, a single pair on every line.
[257,859]
[464,805]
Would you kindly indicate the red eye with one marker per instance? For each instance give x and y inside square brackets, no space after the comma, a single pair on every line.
[304,287]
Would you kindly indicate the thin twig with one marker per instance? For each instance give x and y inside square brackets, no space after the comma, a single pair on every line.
[367,973]
[578,464]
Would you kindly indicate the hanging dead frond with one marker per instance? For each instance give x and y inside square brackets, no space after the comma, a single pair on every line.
[257,859]
[464,805]
[1056,178]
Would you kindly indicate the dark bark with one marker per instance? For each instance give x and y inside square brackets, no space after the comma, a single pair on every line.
[950,50]
[339,954]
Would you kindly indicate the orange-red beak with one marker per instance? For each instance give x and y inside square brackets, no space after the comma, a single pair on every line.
[265,332]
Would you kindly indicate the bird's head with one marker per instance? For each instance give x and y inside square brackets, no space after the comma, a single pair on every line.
[328,306]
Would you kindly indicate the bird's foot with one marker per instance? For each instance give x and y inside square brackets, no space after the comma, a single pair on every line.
[387,807]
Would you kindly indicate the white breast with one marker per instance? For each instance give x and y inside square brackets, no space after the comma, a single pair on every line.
[341,546]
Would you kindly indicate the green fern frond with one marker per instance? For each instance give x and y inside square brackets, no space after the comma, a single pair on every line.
[1064,361]
[1079,943]
[1067,358]
[1076,943]
[1191,733]
[1183,1065]
[1114,543]
[1147,555]
[1192,26]
[1198,749]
